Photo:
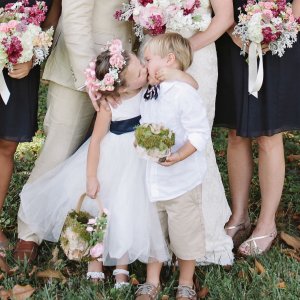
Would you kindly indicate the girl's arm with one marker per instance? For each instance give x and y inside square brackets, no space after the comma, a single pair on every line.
[101,127]
[296,8]
[222,20]
[171,74]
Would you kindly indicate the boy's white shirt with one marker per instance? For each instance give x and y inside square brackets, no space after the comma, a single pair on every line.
[180,108]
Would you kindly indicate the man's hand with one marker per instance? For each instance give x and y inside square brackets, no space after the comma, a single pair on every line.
[20,70]
[171,160]
[92,187]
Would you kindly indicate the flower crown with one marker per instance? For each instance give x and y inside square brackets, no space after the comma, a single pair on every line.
[117,63]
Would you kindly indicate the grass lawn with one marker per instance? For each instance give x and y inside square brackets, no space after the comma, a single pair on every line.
[275,275]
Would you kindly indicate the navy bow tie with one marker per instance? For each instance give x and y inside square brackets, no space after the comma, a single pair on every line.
[152,92]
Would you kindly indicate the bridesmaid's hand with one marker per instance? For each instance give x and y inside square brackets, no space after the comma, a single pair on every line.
[92,187]
[20,70]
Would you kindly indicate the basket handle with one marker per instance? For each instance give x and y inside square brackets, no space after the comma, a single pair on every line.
[83,197]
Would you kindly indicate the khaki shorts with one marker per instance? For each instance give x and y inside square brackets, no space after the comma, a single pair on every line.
[182,224]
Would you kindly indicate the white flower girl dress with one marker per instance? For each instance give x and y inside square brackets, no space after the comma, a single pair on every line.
[133,230]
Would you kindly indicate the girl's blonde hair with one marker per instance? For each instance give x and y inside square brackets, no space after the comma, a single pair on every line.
[174,43]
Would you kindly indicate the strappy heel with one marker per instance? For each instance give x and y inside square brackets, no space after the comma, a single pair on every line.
[250,247]
[121,284]
[242,233]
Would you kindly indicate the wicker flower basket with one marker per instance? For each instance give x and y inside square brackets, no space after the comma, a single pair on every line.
[74,238]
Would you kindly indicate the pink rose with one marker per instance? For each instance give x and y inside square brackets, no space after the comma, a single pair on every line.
[12,24]
[89,229]
[97,250]
[92,221]
[115,47]
[4,27]
[189,4]
[117,60]
[108,79]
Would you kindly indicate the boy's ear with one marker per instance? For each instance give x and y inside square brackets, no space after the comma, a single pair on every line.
[171,58]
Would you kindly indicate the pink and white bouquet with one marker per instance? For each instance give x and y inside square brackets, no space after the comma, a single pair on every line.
[159,16]
[269,22]
[21,36]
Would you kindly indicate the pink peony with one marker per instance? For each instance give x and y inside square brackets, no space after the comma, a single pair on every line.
[97,250]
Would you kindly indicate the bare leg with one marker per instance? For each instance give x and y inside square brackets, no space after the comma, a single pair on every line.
[271,178]
[153,273]
[240,170]
[122,277]
[187,270]
[7,151]
[95,266]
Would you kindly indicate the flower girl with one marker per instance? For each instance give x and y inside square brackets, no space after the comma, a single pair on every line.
[107,165]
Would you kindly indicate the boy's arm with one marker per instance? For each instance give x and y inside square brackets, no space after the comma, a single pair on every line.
[185,151]
[170,74]
[101,128]
[194,120]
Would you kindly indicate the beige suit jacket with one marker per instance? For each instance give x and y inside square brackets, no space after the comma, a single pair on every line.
[83,30]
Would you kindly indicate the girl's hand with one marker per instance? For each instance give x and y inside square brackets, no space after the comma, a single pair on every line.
[113,100]
[171,160]
[20,70]
[92,187]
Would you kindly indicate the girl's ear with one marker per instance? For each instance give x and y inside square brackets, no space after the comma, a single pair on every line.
[171,58]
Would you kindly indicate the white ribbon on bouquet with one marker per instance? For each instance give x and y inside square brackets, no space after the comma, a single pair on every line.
[255,76]
[4,92]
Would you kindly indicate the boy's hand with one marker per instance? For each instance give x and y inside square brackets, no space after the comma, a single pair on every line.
[92,187]
[20,70]
[171,160]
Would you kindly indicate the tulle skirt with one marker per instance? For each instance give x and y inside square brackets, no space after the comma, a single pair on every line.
[133,231]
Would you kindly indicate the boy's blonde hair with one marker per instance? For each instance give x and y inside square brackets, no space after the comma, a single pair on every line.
[174,43]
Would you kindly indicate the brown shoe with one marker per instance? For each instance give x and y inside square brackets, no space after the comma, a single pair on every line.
[147,291]
[26,250]
[185,293]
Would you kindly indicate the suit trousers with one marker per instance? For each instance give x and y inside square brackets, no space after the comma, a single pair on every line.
[68,118]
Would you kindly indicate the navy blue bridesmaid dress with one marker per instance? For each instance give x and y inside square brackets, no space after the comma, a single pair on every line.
[18,119]
[277,108]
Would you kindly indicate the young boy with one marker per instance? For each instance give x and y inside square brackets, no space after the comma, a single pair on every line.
[175,185]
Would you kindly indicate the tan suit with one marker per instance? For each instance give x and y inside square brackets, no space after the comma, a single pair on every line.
[83,30]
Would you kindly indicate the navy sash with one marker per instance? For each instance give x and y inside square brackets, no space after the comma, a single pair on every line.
[124,126]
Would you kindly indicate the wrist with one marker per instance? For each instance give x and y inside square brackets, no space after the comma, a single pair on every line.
[179,154]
